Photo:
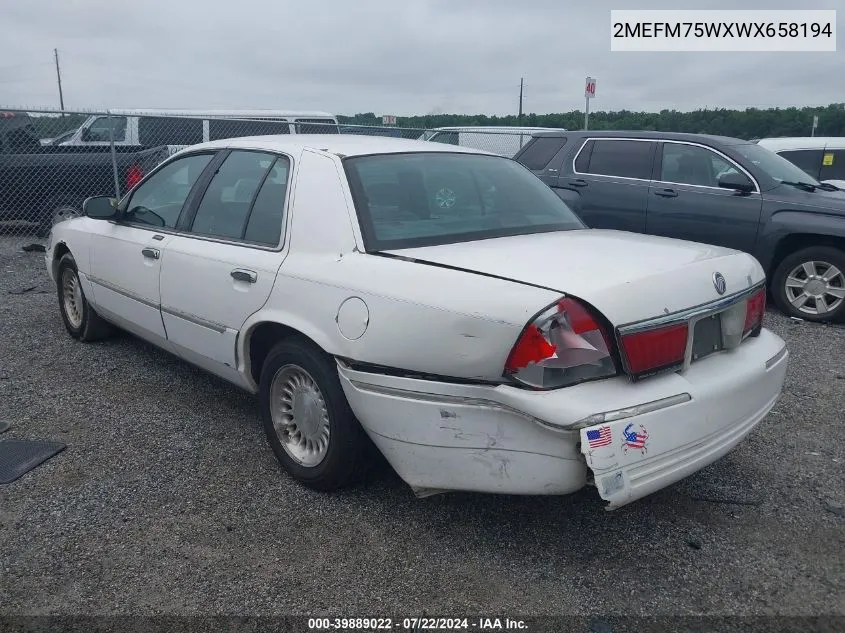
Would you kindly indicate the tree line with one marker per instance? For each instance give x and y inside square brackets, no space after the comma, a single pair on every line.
[747,124]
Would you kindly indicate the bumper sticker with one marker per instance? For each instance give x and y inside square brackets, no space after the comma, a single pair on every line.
[612,484]
[635,439]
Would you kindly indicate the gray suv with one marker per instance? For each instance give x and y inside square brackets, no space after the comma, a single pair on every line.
[710,189]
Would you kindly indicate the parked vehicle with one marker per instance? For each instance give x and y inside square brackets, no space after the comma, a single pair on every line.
[821,157]
[181,128]
[441,300]
[39,183]
[708,189]
[502,140]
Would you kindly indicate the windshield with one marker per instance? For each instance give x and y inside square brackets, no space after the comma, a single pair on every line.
[430,198]
[775,166]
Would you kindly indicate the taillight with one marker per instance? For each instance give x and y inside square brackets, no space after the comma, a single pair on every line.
[134,175]
[754,310]
[656,349]
[564,345]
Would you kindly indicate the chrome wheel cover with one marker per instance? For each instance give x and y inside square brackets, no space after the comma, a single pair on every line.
[299,415]
[72,300]
[815,287]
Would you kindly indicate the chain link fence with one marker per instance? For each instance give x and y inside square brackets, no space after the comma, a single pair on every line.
[51,161]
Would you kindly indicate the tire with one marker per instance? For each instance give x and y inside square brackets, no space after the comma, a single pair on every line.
[326,445]
[80,319]
[793,280]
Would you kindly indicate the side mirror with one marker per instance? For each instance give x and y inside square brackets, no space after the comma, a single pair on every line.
[736,181]
[86,135]
[100,208]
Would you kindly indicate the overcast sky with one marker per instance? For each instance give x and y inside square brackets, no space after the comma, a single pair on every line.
[384,56]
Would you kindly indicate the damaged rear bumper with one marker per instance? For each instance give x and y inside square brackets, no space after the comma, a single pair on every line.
[501,439]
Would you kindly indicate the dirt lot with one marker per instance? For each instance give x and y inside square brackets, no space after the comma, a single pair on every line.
[168,500]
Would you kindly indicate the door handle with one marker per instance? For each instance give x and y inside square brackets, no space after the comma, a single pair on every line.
[150,253]
[242,274]
[666,193]
[580,182]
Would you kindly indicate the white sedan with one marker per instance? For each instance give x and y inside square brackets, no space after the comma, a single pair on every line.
[440,301]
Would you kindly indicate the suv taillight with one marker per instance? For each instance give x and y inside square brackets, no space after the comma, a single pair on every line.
[134,175]
[566,344]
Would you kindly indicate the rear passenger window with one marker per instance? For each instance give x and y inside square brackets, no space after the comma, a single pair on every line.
[809,160]
[228,128]
[265,219]
[625,158]
[540,153]
[245,200]
[833,165]
[153,131]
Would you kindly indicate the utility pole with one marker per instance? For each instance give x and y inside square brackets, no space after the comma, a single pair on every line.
[59,78]
[519,118]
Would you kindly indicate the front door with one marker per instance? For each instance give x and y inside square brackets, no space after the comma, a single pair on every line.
[686,202]
[126,256]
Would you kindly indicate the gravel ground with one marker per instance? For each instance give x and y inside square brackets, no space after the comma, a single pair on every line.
[167,500]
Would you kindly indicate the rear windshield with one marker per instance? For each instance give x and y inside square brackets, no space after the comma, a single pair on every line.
[430,198]
[316,126]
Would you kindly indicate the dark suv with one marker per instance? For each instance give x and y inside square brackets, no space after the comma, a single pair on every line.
[710,189]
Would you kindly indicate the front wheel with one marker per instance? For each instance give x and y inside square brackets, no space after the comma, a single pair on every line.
[810,284]
[80,319]
[307,419]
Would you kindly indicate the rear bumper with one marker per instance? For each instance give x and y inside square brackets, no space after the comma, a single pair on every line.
[502,439]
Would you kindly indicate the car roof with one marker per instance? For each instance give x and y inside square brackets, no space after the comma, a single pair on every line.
[802,142]
[669,136]
[340,144]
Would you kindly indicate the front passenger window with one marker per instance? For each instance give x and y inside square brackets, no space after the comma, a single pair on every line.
[693,165]
[158,201]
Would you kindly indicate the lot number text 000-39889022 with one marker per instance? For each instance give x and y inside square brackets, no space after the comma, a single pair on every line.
[735,31]
[417,624]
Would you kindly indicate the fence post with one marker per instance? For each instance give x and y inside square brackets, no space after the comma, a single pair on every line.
[113,157]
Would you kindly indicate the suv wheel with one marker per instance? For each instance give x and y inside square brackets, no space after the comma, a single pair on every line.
[810,284]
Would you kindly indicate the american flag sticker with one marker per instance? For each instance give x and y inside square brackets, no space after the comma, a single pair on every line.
[599,437]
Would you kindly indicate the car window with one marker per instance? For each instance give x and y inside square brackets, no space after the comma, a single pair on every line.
[225,205]
[450,138]
[153,131]
[625,158]
[540,153]
[265,219]
[228,128]
[100,129]
[810,160]
[833,165]
[158,201]
[427,198]
[693,165]
[316,126]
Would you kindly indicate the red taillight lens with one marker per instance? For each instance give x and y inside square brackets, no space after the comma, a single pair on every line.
[754,310]
[655,349]
[566,344]
[133,176]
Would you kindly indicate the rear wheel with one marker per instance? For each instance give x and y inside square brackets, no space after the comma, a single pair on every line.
[80,319]
[58,211]
[307,419]
[810,284]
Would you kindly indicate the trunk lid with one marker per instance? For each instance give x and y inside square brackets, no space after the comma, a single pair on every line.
[627,276]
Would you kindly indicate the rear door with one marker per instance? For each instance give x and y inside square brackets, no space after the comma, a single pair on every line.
[611,177]
[221,269]
[686,202]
